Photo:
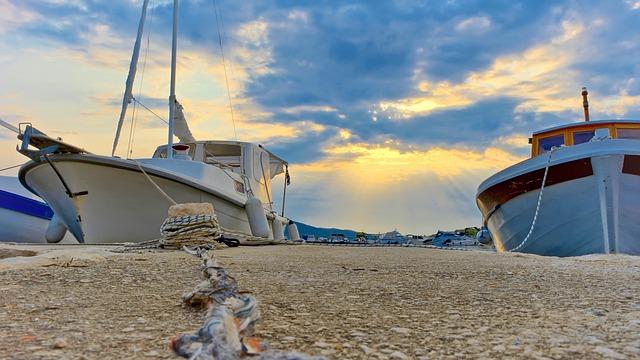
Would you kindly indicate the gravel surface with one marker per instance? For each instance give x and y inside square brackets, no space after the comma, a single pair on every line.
[341,302]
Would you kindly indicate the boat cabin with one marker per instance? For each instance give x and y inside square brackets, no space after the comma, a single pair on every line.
[256,163]
[578,133]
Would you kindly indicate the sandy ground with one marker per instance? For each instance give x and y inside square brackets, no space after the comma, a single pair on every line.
[355,303]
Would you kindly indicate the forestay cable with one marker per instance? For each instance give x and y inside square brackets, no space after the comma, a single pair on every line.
[224,67]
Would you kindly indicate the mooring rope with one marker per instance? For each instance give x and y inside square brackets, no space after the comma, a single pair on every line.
[228,329]
[166,196]
[535,215]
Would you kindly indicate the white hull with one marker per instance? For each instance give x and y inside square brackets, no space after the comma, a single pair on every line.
[597,213]
[117,203]
[21,228]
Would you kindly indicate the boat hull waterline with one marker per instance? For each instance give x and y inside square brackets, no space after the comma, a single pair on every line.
[582,210]
[116,203]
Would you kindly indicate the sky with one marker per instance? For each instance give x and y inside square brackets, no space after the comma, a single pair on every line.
[391,113]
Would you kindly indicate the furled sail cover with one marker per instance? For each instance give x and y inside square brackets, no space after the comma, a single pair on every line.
[180,126]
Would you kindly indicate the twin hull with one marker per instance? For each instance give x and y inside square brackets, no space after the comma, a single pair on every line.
[22,228]
[591,203]
[116,204]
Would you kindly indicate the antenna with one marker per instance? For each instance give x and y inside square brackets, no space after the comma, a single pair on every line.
[585,103]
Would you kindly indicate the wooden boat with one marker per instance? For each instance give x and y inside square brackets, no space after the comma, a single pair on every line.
[588,202]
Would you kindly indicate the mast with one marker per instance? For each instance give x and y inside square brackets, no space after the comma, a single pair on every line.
[128,94]
[172,93]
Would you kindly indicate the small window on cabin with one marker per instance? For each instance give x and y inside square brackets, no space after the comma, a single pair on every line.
[580,137]
[223,155]
[628,133]
[545,144]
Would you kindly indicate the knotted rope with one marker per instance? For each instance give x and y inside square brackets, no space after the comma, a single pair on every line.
[227,332]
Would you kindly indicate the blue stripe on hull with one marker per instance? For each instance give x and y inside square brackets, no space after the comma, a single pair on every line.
[24,205]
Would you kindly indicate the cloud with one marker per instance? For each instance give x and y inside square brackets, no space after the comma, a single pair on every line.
[371,101]
[12,15]
[474,24]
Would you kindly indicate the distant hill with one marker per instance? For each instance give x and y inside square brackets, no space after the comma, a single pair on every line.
[305,229]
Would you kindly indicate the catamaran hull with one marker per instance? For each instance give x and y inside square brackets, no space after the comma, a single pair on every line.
[21,228]
[590,205]
[115,204]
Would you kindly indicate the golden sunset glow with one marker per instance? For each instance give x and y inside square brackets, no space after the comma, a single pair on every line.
[538,75]
[370,113]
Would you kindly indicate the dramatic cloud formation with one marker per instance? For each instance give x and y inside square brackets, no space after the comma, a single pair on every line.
[391,113]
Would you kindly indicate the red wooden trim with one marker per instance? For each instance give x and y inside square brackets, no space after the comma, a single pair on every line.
[502,192]
[631,164]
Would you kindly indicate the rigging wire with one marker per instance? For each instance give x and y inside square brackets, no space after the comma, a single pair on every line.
[151,111]
[132,130]
[224,66]
[11,167]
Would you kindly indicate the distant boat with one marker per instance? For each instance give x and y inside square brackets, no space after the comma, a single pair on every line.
[452,238]
[24,217]
[106,199]
[392,237]
[590,200]
[338,238]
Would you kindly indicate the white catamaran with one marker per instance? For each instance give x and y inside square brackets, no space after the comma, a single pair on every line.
[106,199]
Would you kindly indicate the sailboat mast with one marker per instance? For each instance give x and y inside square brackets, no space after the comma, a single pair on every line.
[128,91]
[172,93]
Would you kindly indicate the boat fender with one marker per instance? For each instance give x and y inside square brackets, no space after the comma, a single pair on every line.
[294,235]
[484,237]
[257,218]
[278,230]
[55,230]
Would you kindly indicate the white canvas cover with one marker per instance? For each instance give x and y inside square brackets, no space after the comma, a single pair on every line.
[180,126]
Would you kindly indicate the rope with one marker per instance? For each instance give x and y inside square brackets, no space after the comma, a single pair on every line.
[535,215]
[224,67]
[166,196]
[192,231]
[11,167]
[228,329]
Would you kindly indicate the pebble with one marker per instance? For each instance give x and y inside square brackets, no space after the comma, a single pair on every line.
[60,343]
[400,330]
[366,350]
[398,355]
[322,344]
